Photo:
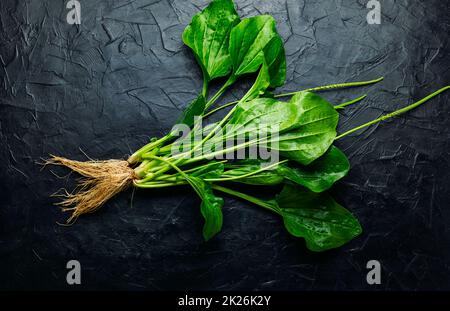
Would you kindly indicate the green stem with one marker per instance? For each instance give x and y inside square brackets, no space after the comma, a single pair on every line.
[145,166]
[246,175]
[201,166]
[334,87]
[249,198]
[183,174]
[180,157]
[314,89]
[395,113]
[167,178]
[342,106]
[173,165]
[141,169]
[165,168]
[158,185]
[205,87]
[224,151]
[222,90]
[173,177]
[265,204]
[136,157]
[219,108]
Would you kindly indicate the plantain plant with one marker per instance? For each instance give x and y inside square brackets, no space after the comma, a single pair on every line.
[226,46]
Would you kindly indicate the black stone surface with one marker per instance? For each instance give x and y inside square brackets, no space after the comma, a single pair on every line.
[123,76]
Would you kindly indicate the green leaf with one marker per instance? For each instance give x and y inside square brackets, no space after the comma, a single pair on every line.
[276,61]
[208,36]
[212,170]
[260,86]
[266,178]
[254,41]
[195,108]
[317,218]
[321,174]
[313,135]
[211,207]
[262,113]
[302,129]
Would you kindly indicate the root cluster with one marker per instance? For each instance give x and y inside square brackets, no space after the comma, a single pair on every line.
[100,182]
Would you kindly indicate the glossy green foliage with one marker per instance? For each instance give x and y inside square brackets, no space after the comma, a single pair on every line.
[313,135]
[263,113]
[306,125]
[275,58]
[317,218]
[321,174]
[247,43]
[256,45]
[208,36]
[211,207]
[302,129]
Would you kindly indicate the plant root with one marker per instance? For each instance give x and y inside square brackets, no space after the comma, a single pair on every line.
[100,182]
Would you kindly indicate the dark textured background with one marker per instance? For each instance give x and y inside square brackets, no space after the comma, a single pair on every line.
[124,75]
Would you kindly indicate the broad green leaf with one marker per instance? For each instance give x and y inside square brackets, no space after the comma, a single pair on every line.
[317,218]
[194,109]
[313,135]
[276,61]
[208,36]
[254,41]
[211,207]
[321,174]
[264,112]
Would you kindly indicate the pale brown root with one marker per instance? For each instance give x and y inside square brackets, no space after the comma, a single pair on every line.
[101,181]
